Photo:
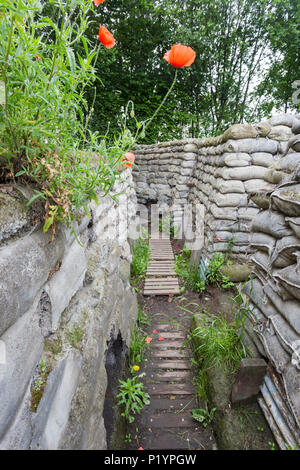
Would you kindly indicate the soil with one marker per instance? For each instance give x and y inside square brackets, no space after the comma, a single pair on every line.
[158,426]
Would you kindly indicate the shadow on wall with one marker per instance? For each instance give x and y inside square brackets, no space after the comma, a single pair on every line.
[115,365]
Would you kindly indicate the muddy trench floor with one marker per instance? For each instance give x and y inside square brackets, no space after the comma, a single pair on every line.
[167,423]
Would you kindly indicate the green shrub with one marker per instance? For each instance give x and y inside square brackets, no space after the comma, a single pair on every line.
[140,258]
[46,66]
[132,397]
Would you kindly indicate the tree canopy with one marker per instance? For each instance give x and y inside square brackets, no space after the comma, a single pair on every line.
[247,61]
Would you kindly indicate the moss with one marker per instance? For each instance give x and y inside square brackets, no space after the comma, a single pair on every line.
[74,337]
[53,345]
[237,272]
[38,387]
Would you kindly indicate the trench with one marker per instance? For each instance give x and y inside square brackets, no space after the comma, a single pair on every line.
[171,381]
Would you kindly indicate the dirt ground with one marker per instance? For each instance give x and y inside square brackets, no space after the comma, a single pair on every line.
[161,311]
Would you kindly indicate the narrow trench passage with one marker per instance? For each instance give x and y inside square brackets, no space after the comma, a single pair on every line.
[173,378]
[167,423]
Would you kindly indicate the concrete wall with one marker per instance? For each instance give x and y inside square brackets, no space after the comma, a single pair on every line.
[61,304]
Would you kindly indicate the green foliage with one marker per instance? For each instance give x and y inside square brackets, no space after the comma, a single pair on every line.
[167,227]
[215,275]
[47,64]
[74,336]
[132,397]
[219,343]
[138,346]
[140,258]
[203,416]
[189,274]
[237,44]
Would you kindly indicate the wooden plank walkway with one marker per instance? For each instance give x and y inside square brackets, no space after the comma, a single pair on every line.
[161,278]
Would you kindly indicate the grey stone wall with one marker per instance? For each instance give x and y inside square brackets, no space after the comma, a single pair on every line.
[221,173]
[61,303]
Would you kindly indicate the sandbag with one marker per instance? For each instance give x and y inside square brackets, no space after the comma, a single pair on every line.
[280,133]
[293,143]
[287,199]
[262,260]
[282,120]
[243,173]
[289,309]
[263,242]
[228,213]
[229,186]
[254,290]
[272,223]
[262,159]
[291,382]
[235,237]
[296,127]
[278,288]
[229,200]
[248,328]
[294,223]
[257,185]
[235,159]
[290,278]
[240,131]
[274,350]
[252,145]
[285,334]
[261,198]
[288,163]
[274,176]
[285,252]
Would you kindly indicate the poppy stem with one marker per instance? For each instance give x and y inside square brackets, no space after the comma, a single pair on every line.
[161,104]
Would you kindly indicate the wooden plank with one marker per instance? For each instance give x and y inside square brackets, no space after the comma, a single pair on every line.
[170,389]
[162,292]
[173,420]
[170,353]
[156,281]
[167,343]
[173,334]
[174,365]
[187,402]
[175,376]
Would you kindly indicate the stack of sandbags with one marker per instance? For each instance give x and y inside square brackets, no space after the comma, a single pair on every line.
[272,325]
[226,175]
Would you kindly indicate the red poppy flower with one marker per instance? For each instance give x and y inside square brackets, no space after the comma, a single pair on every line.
[148,339]
[161,338]
[140,448]
[106,37]
[154,331]
[180,56]
[38,58]
[128,160]
[97,2]
[219,239]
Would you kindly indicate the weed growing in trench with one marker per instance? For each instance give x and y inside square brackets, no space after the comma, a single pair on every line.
[190,275]
[167,227]
[132,397]
[140,258]
[218,342]
[203,416]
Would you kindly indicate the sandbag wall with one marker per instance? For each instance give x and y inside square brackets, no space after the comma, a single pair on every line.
[272,327]
[221,173]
